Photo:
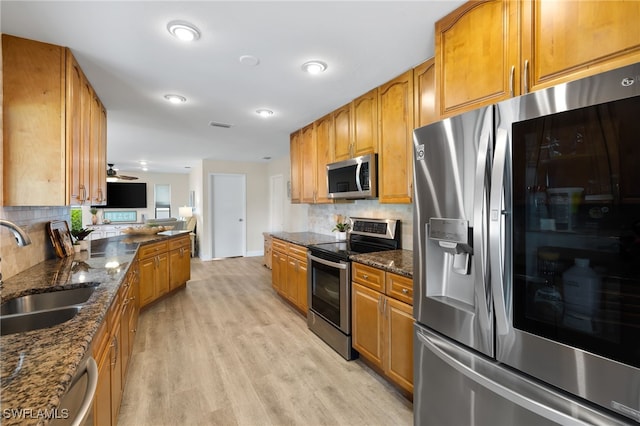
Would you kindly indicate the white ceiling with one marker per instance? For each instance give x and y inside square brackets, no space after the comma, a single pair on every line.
[132,62]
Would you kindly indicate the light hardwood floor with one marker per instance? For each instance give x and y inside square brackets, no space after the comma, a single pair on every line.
[227,351]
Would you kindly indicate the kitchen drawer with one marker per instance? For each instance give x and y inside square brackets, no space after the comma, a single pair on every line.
[299,252]
[279,245]
[180,242]
[400,287]
[152,249]
[368,276]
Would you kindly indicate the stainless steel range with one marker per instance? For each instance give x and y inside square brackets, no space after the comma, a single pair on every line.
[329,279]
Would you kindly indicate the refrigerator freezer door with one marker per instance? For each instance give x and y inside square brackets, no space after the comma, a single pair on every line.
[451,179]
[455,386]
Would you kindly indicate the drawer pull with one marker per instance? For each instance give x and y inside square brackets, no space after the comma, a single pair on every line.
[405,291]
[365,276]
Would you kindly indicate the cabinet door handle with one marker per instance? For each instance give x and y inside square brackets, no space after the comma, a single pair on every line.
[526,76]
[380,304]
[114,344]
[511,77]
[384,306]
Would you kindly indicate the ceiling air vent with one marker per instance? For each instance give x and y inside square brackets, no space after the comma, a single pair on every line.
[218,124]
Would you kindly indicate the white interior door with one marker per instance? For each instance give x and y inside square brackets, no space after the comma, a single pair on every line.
[228,207]
[277,203]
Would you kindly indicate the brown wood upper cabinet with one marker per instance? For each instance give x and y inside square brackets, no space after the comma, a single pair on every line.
[355,127]
[324,155]
[54,128]
[342,125]
[424,86]
[308,163]
[303,165]
[311,151]
[365,124]
[490,50]
[395,105]
[296,171]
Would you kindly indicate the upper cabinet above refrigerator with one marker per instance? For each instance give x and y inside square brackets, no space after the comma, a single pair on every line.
[491,50]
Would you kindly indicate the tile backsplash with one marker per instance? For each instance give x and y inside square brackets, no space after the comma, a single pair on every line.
[14,259]
[322,216]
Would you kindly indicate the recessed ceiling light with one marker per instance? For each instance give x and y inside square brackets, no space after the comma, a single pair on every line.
[144,169]
[175,99]
[143,163]
[183,30]
[264,112]
[314,67]
[249,60]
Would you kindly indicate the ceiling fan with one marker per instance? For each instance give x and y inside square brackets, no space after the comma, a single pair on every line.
[112,176]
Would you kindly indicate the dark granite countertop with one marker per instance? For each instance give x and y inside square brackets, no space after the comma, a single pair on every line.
[304,238]
[36,367]
[397,261]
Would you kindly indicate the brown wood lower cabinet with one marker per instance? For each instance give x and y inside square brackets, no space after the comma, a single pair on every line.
[289,272]
[164,267]
[158,268]
[382,324]
[154,272]
[179,262]
[111,347]
[102,398]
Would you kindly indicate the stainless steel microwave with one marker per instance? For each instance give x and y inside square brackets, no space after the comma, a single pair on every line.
[353,178]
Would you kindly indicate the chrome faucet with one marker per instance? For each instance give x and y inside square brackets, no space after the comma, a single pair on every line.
[22,238]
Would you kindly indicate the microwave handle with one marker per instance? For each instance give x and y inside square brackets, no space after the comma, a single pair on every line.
[358,184]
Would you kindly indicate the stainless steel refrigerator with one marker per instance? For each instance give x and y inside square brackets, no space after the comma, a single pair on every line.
[527,259]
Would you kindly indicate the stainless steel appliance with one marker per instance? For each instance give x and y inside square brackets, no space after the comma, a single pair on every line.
[329,279]
[527,259]
[353,178]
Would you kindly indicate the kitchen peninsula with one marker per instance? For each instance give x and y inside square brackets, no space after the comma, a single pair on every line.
[38,365]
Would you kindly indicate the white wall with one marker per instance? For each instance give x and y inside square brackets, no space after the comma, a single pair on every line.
[179,194]
[257,220]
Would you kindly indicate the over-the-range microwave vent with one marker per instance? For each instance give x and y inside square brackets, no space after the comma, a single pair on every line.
[219,124]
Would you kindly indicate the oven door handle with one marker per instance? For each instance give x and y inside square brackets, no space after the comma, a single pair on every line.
[340,265]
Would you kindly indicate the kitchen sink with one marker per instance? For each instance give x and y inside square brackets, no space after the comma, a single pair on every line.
[46,301]
[19,323]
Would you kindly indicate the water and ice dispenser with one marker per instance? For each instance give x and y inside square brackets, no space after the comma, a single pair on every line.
[452,235]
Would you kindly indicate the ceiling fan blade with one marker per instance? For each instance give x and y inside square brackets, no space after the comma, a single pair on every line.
[127,177]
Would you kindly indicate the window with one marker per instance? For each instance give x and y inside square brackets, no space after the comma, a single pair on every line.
[163,201]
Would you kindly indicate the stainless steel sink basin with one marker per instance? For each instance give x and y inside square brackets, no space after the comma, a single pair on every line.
[20,323]
[46,301]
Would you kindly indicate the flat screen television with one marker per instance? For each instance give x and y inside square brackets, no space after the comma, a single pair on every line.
[126,195]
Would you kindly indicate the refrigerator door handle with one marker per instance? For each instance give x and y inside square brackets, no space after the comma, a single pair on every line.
[497,250]
[442,349]
[480,226]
